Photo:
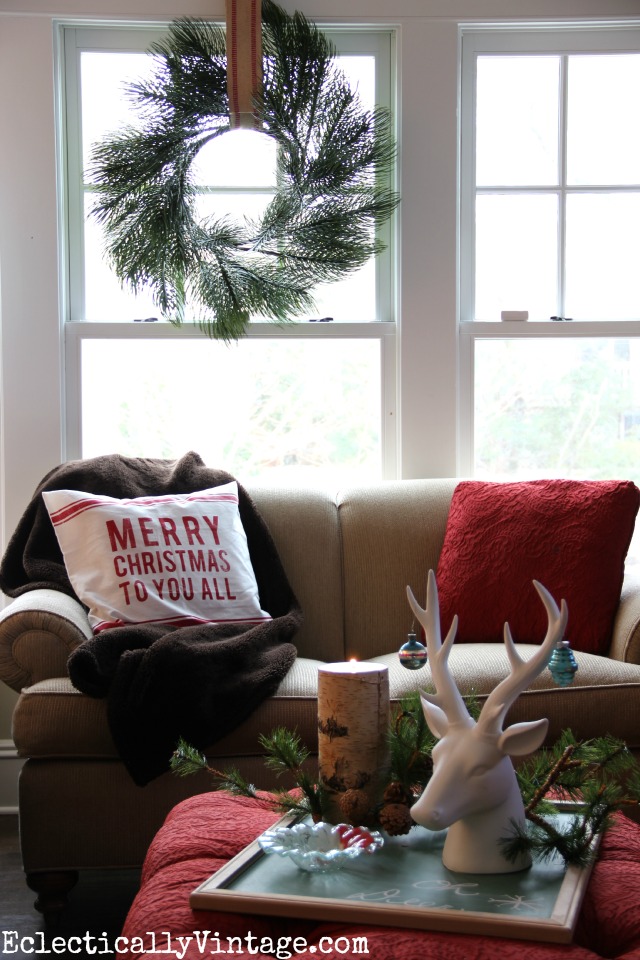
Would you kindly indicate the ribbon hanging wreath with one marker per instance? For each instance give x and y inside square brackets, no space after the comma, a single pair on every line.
[333,164]
[244,62]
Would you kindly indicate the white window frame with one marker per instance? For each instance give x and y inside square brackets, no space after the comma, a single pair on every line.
[510,39]
[76,38]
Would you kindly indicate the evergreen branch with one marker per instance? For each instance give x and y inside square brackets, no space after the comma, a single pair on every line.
[186,760]
[307,802]
[287,802]
[607,775]
[544,843]
[410,744]
[544,788]
[600,774]
[284,751]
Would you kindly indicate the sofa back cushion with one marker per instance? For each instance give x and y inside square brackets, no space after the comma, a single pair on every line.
[392,534]
[304,526]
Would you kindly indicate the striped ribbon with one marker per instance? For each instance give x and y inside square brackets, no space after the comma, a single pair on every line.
[244,61]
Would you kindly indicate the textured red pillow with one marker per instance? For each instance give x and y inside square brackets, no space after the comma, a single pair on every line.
[571,535]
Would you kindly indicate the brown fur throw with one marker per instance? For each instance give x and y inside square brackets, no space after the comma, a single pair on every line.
[197,682]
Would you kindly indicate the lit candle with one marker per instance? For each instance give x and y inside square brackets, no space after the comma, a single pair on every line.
[353,723]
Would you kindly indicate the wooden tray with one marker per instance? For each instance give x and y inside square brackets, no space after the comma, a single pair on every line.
[404,885]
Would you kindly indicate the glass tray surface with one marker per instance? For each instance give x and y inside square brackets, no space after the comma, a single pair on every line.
[405,884]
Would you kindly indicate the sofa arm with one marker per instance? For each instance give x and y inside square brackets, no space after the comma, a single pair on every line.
[38,631]
[625,643]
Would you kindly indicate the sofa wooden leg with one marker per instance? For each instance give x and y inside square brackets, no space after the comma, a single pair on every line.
[53,888]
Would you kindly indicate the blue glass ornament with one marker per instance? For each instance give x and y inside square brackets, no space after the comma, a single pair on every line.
[412,654]
[562,664]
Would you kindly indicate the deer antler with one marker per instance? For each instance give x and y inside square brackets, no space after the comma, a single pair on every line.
[523,672]
[447,698]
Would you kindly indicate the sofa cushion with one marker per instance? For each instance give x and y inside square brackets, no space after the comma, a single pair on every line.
[571,535]
[176,559]
[604,697]
[52,719]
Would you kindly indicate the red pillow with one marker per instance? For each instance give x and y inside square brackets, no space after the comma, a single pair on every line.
[571,535]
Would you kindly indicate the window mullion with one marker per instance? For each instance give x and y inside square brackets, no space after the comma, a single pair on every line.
[75,192]
[468,193]
[562,193]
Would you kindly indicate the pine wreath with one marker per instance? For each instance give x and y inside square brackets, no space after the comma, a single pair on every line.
[333,163]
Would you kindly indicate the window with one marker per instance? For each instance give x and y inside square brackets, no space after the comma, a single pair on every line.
[550,200]
[310,398]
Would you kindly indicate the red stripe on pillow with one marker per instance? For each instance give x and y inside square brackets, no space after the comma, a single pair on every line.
[175,622]
[73,510]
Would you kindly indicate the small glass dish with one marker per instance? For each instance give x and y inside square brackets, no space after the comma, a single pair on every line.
[321,847]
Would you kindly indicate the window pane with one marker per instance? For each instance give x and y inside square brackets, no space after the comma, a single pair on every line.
[603,252]
[352,300]
[603,145]
[561,407]
[239,164]
[516,255]
[287,408]
[105,298]
[106,108]
[239,158]
[517,121]
[360,71]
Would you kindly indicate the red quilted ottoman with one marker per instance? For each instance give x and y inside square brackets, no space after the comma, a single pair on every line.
[201,834]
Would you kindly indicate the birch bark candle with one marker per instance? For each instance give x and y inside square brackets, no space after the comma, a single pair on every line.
[353,724]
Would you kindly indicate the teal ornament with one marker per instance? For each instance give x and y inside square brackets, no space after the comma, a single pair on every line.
[563,664]
[412,654]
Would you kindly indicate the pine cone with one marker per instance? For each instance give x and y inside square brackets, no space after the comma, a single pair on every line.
[395,819]
[396,793]
[354,806]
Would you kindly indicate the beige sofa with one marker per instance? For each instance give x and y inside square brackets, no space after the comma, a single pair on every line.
[349,556]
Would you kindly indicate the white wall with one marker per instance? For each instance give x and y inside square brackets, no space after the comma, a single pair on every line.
[31,375]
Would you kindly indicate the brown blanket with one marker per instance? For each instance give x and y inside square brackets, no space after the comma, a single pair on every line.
[195,682]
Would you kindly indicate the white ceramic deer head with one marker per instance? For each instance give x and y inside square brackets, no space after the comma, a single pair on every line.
[473,789]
